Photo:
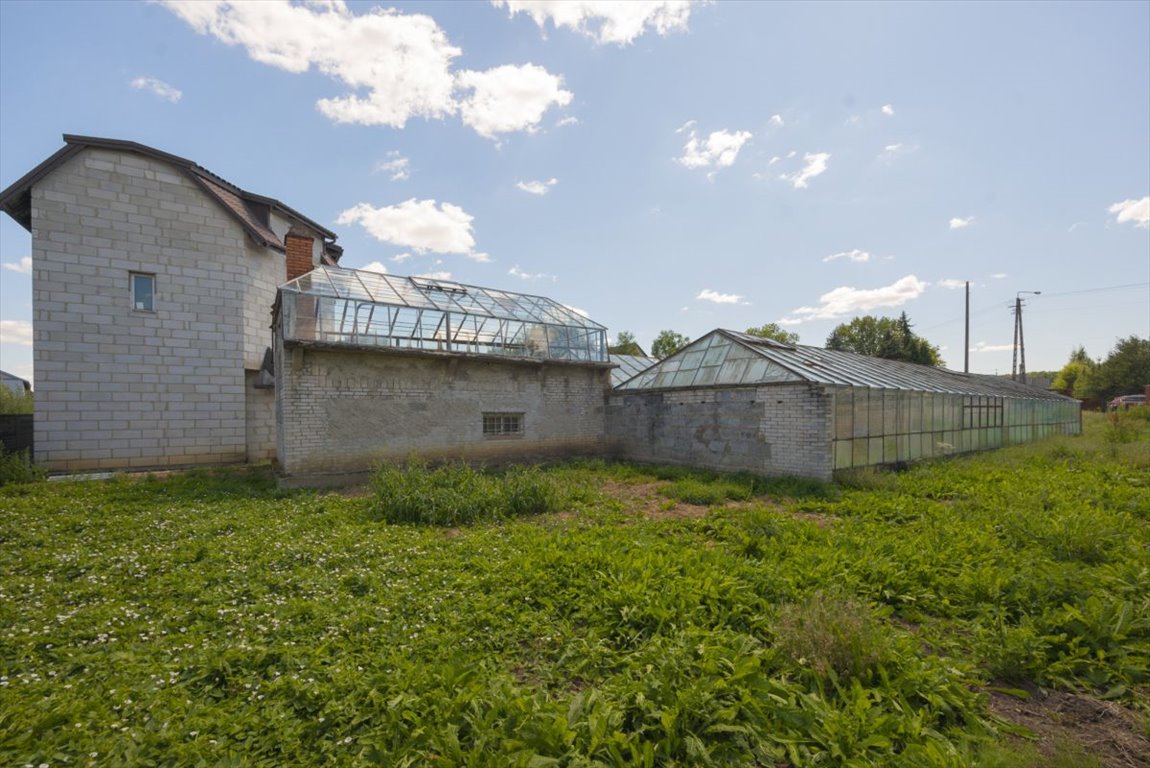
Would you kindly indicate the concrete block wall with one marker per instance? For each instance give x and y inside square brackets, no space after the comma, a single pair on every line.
[781,429]
[265,272]
[344,410]
[260,420]
[118,387]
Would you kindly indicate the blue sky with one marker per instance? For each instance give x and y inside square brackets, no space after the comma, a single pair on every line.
[662,165]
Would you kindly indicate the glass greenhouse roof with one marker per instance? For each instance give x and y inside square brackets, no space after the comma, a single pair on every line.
[629,365]
[728,358]
[347,306]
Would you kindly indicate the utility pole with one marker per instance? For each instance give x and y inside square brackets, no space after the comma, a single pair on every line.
[966,338]
[1019,371]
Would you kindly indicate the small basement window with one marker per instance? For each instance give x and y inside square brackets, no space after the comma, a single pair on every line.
[143,291]
[502,425]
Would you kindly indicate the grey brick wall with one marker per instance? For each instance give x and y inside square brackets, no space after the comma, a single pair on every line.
[344,410]
[117,387]
[781,429]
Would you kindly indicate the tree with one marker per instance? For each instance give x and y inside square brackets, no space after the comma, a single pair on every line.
[668,343]
[884,337]
[1075,370]
[1126,370]
[774,331]
[625,344]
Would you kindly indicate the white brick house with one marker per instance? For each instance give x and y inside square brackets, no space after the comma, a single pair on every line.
[153,282]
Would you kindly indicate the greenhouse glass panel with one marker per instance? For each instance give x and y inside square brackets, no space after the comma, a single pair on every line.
[707,376]
[844,413]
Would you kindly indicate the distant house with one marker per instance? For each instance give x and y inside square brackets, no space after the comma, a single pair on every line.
[152,286]
[15,384]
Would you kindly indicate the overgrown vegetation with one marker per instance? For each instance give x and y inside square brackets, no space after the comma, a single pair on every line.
[11,402]
[17,467]
[459,494]
[212,619]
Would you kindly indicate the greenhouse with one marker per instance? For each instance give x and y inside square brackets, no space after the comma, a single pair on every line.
[372,367]
[346,306]
[739,402]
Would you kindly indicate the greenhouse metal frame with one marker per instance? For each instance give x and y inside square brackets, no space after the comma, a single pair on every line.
[332,305]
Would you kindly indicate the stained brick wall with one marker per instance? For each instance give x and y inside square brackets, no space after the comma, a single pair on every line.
[781,429]
[343,410]
[117,387]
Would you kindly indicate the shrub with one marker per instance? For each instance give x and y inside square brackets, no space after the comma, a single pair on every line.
[457,494]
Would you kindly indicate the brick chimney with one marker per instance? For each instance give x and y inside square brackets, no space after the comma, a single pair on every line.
[298,246]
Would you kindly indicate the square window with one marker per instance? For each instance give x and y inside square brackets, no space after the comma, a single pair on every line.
[143,292]
[502,424]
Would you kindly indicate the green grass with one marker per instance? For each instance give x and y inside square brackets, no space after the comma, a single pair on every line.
[212,619]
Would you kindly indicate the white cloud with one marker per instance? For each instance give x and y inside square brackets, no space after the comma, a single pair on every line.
[435,275]
[887,110]
[719,298]
[416,224]
[159,88]
[719,150]
[480,257]
[522,275]
[396,166]
[509,98]
[892,151]
[24,266]
[852,255]
[845,300]
[957,223]
[1137,212]
[982,346]
[815,165]
[374,266]
[569,120]
[16,332]
[399,258]
[774,160]
[603,20]
[776,120]
[999,275]
[537,187]
[951,283]
[395,66]
[1076,226]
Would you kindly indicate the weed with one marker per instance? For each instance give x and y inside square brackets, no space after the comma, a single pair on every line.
[17,467]
[457,494]
[833,634]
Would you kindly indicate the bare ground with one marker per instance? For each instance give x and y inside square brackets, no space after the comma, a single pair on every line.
[1105,730]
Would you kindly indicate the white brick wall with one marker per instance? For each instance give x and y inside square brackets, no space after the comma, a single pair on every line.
[781,429]
[123,388]
[342,410]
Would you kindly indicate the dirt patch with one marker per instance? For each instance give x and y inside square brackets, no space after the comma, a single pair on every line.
[1113,734]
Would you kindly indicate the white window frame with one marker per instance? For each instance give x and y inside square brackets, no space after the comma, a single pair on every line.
[151,303]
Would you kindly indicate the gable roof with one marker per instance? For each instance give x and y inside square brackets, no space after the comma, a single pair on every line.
[729,358]
[247,208]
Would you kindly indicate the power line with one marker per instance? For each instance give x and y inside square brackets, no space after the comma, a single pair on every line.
[1097,290]
[996,306]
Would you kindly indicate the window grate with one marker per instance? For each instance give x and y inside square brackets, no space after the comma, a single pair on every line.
[502,424]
